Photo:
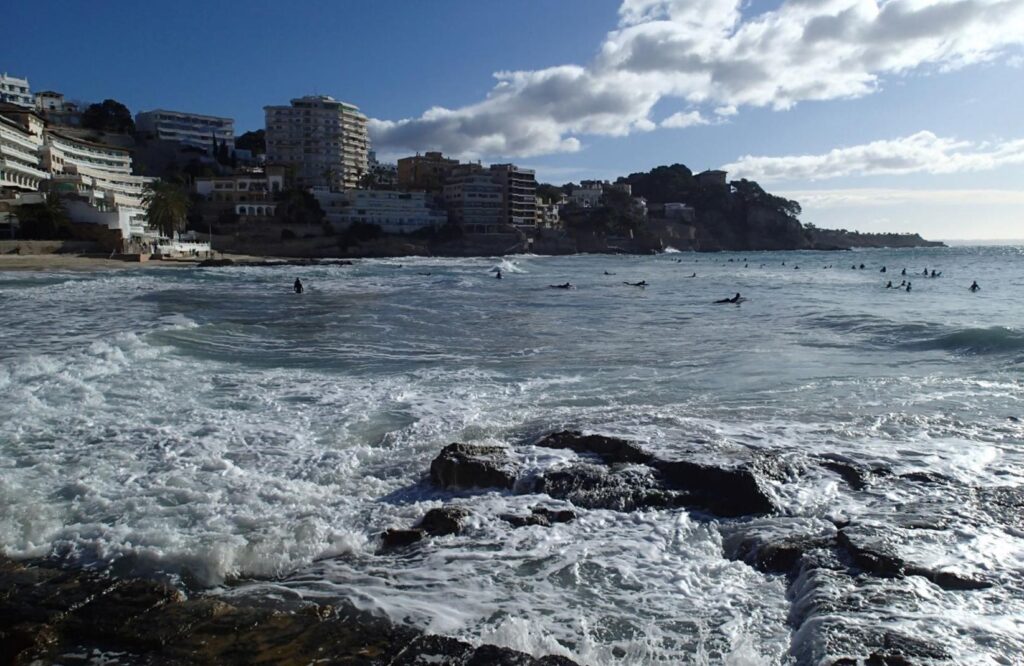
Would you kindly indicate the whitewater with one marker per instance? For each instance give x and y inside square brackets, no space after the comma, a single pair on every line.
[211,427]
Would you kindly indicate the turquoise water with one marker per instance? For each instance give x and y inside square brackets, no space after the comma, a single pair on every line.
[210,424]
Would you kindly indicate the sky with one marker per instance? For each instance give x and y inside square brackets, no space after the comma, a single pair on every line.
[877,115]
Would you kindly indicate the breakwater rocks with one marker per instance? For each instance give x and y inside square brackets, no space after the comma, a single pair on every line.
[52,615]
[847,578]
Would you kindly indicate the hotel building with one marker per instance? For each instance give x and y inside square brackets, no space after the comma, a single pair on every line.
[193,129]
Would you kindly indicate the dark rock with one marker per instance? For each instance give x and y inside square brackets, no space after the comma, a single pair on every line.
[555,515]
[395,538]
[442,521]
[215,263]
[926,477]
[468,466]
[597,487]
[778,545]
[723,491]
[143,622]
[516,520]
[949,580]
[610,449]
[854,476]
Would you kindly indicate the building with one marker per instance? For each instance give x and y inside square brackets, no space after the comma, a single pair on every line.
[56,110]
[248,195]
[21,145]
[474,200]
[712,178]
[16,91]
[679,211]
[322,140]
[99,180]
[588,194]
[425,172]
[193,129]
[519,194]
[547,214]
[393,212]
[384,175]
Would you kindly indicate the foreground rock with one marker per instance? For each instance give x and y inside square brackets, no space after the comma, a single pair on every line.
[468,466]
[48,615]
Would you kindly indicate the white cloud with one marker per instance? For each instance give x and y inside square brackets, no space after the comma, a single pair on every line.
[923,152]
[681,119]
[707,53]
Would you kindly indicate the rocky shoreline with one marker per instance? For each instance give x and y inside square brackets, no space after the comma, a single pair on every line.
[844,576]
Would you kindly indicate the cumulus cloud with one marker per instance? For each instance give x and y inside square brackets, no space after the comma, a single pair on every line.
[923,152]
[684,119]
[710,55]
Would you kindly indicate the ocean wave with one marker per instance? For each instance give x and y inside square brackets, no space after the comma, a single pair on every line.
[975,341]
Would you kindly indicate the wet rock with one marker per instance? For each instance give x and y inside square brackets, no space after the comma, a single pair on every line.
[854,476]
[444,520]
[143,622]
[778,545]
[873,550]
[469,466]
[926,477]
[395,538]
[554,515]
[618,489]
[611,450]
[727,492]
[540,516]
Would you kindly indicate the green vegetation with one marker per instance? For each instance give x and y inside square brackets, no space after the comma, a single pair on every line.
[44,221]
[167,205]
[108,116]
[253,141]
[298,206]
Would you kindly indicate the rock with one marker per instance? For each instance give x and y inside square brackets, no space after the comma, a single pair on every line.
[469,466]
[727,492]
[555,515]
[777,545]
[443,521]
[610,449]
[1003,504]
[597,487]
[395,538]
[144,622]
[516,520]
[540,516]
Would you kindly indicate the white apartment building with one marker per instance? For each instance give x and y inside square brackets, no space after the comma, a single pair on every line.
[193,129]
[393,212]
[16,91]
[474,200]
[324,141]
[101,176]
[21,142]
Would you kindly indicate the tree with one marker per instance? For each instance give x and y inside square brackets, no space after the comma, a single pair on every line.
[223,156]
[549,193]
[167,207]
[298,206]
[44,221]
[256,142]
[109,116]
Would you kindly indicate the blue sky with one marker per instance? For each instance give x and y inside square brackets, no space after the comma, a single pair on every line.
[921,98]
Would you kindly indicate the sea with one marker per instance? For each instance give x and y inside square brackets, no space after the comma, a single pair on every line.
[212,427]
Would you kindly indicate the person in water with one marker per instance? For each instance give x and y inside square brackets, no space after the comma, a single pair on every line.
[908,287]
[903,272]
[888,285]
[974,286]
[297,286]
[607,273]
[883,270]
[641,283]
[567,285]
[497,274]
[734,299]
[694,275]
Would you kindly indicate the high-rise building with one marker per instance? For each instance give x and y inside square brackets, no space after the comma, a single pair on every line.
[21,145]
[16,91]
[474,200]
[426,172]
[519,194]
[193,129]
[324,141]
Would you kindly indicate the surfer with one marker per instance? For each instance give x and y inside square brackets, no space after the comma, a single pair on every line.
[567,285]
[888,285]
[641,283]
[297,286]
[903,272]
[883,270]
[908,287]
[734,299]
[694,275]
[607,273]
[974,286]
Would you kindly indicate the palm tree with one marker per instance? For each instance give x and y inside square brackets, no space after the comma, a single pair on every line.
[167,206]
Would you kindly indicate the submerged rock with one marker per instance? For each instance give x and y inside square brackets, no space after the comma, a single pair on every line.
[396,538]
[469,466]
[444,520]
[610,449]
[51,615]
[539,516]
[619,489]
[724,491]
